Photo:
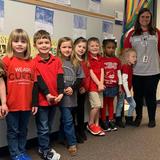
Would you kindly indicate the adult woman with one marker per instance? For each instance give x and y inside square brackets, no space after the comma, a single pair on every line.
[145,39]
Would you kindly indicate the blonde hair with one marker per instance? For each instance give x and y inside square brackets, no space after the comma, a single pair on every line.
[125,54]
[73,59]
[15,35]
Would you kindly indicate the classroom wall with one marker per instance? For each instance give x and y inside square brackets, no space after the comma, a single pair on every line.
[21,15]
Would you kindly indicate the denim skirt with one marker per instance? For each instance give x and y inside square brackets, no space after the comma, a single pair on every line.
[111,91]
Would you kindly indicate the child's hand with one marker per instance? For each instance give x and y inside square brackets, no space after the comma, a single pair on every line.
[34,110]
[82,90]
[101,87]
[68,91]
[58,98]
[120,89]
[3,110]
[50,98]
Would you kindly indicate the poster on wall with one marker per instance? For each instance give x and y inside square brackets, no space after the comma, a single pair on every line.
[94,5]
[107,29]
[44,19]
[64,2]
[1,15]
[79,26]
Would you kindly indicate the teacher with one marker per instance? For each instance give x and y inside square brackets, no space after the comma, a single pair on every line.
[145,39]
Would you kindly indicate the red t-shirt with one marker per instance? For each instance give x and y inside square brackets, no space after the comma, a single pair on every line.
[127,69]
[111,67]
[20,80]
[96,65]
[49,71]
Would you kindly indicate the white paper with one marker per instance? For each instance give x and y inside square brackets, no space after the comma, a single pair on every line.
[79,26]
[65,2]
[44,19]
[94,5]
[1,15]
[107,29]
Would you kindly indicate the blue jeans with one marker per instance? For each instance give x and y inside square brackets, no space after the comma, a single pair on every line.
[67,125]
[17,123]
[44,121]
[120,103]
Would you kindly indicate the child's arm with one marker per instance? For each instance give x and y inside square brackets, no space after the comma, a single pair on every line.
[3,107]
[125,84]
[60,87]
[98,82]
[119,80]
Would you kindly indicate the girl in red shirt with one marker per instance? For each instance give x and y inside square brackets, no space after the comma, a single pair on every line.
[112,80]
[20,79]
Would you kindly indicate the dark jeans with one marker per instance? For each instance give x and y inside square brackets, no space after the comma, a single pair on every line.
[44,121]
[67,125]
[17,123]
[145,88]
[80,112]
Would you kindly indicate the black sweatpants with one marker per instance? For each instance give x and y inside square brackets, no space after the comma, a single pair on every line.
[144,88]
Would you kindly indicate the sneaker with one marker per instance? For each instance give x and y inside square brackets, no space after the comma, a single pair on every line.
[108,126]
[72,150]
[112,125]
[18,157]
[51,155]
[103,125]
[95,130]
[25,156]
[102,133]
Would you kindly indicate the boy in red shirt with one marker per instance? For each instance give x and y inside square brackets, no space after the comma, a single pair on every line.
[50,69]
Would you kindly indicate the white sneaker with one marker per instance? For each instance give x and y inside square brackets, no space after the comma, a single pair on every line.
[53,155]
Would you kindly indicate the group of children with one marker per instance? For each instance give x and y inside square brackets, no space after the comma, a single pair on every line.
[42,84]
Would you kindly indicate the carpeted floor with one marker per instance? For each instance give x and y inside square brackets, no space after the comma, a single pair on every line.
[130,143]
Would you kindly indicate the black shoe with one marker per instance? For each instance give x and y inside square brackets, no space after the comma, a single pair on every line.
[151,124]
[83,134]
[105,126]
[112,125]
[119,122]
[129,121]
[137,122]
[79,137]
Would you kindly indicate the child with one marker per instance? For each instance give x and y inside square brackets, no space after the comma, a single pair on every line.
[3,105]
[112,81]
[80,47]
[20,79]
[73,75]
[129,61]
[96,85]
[50,69]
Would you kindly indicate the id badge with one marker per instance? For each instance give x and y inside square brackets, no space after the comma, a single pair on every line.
[145,59]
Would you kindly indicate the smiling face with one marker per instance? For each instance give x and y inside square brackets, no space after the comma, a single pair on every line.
[94,48]
[19,47]
[66,49]
[80,49]
[145,19]
[43,46]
